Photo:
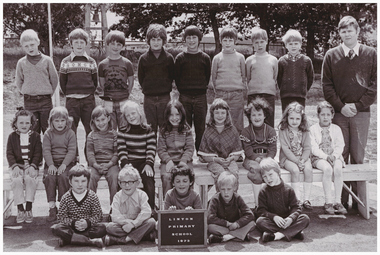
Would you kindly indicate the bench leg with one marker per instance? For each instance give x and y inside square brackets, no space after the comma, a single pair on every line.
[7,204]
[364,197]
[203,191]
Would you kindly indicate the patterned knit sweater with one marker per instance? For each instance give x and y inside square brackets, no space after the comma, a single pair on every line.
[136,144]
[70,210]
[295,77]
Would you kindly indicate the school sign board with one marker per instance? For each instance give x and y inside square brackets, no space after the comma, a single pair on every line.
[182,229]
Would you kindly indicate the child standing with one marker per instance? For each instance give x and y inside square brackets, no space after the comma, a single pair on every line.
[24,154]
[295,71]
[80,212]
[59,147]
[259,141]
[220,146]
[36,78]
[115,77]
[131,213]
[228,215]
[175,143]
[156,75]
[136,145]
[78,80]
[262,72]
[182,196]
[280,214]
[102,151]
[228,76]
[193,70]
[295,149]
[327,146]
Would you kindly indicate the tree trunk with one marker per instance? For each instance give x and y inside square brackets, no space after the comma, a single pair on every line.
[214,25]
[310,41]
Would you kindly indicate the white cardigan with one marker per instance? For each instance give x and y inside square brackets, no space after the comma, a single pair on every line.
[336,139]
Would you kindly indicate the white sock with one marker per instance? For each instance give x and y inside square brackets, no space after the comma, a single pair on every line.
[227,237]
[278,236]
[51,204]
[296,187]
[307,190]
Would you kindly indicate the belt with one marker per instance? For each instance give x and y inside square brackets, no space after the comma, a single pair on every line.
[38,97]
[260,150]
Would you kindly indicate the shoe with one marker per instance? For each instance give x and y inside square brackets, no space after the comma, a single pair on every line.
[240,159]
[20,217]
[28,217]
[215,239]
[340,208]
[299,236]
[306,204]
[98,242]
[62,242]
[267,237]
[52,214]
[329,209]
[354,206]
[345,205]
[112,240]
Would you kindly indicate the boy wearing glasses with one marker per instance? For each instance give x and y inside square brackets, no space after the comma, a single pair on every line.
[131,212]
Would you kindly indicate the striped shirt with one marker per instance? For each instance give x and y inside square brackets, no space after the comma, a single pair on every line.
[24,144]
[136,144]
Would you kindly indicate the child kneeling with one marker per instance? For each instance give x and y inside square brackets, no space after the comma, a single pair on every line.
[131,213]
[280,214]
[80,212]
[228,215]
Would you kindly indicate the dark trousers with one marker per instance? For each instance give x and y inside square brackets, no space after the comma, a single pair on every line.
[265,224]
[287,100]
[154,107]
[65,232]
[40,106]
[147,181]
[196,111]
[271,101]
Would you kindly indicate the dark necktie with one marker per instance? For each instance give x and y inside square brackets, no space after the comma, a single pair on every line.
[351,54]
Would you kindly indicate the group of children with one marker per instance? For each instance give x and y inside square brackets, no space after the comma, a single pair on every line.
[122,135]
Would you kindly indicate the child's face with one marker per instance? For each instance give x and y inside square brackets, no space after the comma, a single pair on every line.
[30,47]
[220,116]
[114,48]
[227,191]
[349,36]
[23,124]
[79,184]
[325,117]
[294,119]
[257,117]
[294,47]
[128,184]
[156,43]
[101,122]
[132,116]
[182,184]
[79,46]
[174,117]
[228,44]
[192,42]
[271,178]
[260,45]
[59,124]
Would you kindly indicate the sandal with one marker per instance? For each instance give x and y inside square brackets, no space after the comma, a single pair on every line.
[306,204]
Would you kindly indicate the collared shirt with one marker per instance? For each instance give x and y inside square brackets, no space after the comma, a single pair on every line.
[72,56]
[294,58]
[134,208]
[347,50]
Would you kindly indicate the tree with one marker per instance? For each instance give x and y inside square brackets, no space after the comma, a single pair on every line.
[65,17]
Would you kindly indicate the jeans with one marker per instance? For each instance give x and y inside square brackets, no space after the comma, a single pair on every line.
[154,107]
[136,234]
[235,100]
[196,111]
[40,106]
[271,101]
[53,181]
[114,108]
[111,177]
[18,187]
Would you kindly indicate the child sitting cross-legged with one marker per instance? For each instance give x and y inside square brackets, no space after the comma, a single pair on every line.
[280,213]
[182,196]
[131,213]
[228,215]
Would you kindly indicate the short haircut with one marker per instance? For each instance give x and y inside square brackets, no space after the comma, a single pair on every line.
[292,35]
[115,36]
[29,35]
[216,105]
[193,30]
[298,108]
[22,112]
[156,30]
[228,32]
[79,33]
[257,103]
[227,177]
[59,112]
[325,104]
[96,113]
[268,164]
[259,33]
[183,171]
[348,21]
[79,170]
[128,170]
